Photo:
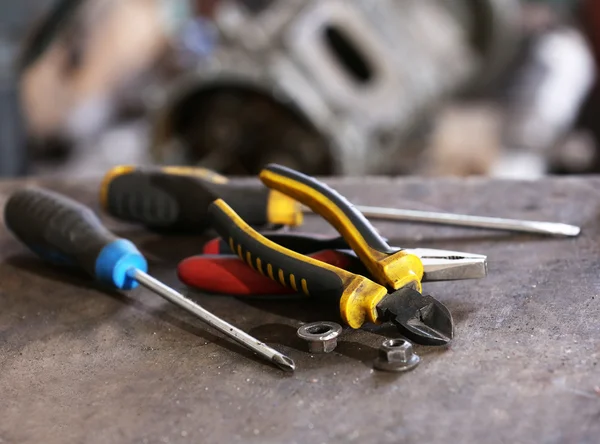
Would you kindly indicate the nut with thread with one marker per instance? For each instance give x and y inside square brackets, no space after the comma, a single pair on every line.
[396,355]
[321,336]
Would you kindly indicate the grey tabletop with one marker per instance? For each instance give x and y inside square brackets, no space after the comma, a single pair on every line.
[80,364]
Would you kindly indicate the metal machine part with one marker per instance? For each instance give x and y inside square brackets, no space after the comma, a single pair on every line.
[321,336]
[329,86]
[396,355]
[13,150]
[15,20]
[545,101]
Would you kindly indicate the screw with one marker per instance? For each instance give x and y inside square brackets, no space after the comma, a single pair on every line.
[321,336]
[396,355]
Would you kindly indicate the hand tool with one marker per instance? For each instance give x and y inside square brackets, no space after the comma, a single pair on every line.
[64,232]
[175,198]
[421,318]
[227,274]
[438,265]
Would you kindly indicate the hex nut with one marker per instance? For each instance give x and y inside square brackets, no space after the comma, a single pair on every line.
[321,336]
[396,355]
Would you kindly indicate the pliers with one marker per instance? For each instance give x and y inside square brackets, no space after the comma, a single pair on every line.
[393,295]
[218,271]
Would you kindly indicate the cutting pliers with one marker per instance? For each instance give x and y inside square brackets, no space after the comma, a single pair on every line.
[393,295]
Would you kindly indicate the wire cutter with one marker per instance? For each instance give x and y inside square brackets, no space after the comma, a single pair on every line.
[218,271]
[393,295]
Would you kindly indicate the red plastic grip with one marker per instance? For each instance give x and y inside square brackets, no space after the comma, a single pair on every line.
[227,274]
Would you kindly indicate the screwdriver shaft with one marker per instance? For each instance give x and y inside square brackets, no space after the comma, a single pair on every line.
[463,220]
[224,327]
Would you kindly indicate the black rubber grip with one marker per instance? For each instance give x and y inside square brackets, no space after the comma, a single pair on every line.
[291,269]
[177,202]
[57,228]
[360,222]
[298,242]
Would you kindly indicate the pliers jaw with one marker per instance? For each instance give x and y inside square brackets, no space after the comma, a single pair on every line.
[447,265]
[421,318]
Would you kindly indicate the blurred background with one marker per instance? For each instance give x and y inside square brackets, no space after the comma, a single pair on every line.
[505,88]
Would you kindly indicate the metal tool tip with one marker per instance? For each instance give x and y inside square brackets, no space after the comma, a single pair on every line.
[284,363]
[557,229]
[571,230]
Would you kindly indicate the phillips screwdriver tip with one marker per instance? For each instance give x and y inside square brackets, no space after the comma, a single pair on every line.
[284,363]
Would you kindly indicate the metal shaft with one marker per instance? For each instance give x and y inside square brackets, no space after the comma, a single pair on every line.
[494,223]
[224,327]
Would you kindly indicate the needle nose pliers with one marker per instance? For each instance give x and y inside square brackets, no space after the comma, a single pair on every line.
[393,295]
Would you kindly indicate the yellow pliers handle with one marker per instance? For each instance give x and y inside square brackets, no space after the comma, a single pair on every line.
[357,296]
[389,266]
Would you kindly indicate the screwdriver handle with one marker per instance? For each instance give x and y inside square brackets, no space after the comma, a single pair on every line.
[65,232]
[175,199]
[356,295]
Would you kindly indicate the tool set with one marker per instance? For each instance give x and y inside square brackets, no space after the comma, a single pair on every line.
[366,278]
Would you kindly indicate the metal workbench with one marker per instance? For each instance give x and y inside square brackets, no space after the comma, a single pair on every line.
[82,365]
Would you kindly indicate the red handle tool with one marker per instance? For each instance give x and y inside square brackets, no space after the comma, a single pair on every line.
[227,274]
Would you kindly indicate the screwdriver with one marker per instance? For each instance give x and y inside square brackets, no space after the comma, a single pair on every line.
[65,232]
[177,199]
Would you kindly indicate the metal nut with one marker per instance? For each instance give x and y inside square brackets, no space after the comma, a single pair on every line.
[396,355]
[321,336]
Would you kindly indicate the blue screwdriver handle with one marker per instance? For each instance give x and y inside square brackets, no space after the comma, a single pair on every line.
[65,232]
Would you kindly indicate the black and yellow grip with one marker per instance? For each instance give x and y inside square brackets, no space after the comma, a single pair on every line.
[389,266]
[176,198]
[357,296]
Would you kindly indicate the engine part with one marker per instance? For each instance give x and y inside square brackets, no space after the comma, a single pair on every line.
[396,355]
[321,336]
[329,86]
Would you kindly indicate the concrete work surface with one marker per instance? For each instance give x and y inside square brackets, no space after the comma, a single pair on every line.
[83,365]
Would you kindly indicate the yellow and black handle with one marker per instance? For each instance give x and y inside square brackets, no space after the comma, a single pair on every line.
[389,266]
[358,296]
[176,198]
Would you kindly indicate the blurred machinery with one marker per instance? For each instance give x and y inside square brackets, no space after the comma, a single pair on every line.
[346,87]
[15,20]
[329,86]
[13,154]
[548,85]
[83,64]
